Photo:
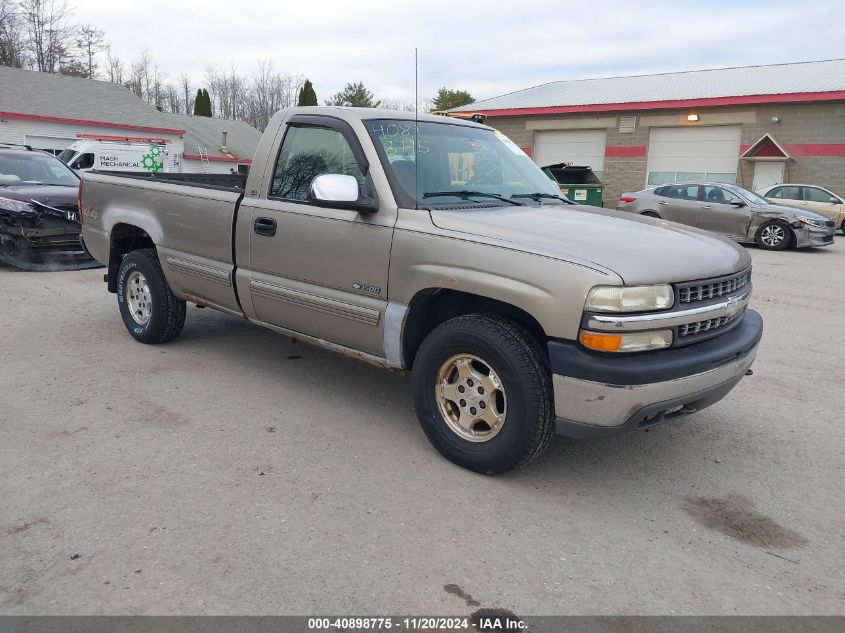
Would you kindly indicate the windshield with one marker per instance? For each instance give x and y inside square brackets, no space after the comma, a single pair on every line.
[750,196]
[34,168]
[475,163]
[66,154]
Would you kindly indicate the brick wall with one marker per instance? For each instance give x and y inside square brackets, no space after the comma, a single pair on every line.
[802,123]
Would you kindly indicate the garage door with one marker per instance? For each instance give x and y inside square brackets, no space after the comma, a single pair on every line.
[579,147]
[693,153]
[53,144]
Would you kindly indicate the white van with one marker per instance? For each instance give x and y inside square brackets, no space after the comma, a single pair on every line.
[85,155]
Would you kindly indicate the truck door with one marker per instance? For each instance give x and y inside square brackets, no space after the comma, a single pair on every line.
[315,270]
[721,212]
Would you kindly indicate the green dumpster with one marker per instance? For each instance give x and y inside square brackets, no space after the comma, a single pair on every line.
[578,183]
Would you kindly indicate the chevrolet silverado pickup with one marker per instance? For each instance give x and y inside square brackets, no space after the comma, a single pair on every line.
[435,245]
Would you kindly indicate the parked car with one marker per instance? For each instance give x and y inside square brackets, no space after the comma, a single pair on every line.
[39,219]
[822,201]
[519,313]
[732,211]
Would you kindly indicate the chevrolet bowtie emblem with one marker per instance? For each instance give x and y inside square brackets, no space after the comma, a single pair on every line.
[732,307]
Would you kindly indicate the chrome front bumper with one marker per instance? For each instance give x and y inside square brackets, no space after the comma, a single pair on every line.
[682,381]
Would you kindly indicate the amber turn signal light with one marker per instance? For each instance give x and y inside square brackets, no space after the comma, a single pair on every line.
[600,342]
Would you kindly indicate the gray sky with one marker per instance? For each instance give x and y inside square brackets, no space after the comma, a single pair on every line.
[488,48]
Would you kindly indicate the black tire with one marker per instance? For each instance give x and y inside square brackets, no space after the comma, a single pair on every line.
[522,368]
[650,214]
[166,312]
[763,239]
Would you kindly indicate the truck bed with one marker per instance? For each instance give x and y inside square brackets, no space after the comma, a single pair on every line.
[189,218]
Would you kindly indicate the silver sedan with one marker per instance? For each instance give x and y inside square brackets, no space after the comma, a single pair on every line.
[734,212]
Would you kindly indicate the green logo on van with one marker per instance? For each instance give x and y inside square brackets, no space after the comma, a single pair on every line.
[151,161]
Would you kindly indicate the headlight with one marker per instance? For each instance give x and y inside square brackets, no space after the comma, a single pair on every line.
[16,206]
[633,342]
[810,221]
[630,298]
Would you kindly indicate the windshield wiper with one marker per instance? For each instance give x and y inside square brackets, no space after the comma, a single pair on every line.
[537,196]
[465,194]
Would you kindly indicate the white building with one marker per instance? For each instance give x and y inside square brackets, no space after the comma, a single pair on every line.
[49,112]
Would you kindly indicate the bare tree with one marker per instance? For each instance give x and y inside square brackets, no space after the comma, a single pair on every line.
[12,41]
[396,104]
[140,76]
[172,100]
[115,69]
[214,82]
[185,81]
[90,41]
[227,91]
[49,32]
[156,89]
[265,96]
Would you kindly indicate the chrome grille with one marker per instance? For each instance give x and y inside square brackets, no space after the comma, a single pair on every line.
[708,325]
[705,290]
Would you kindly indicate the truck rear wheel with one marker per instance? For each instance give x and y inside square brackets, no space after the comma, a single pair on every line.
[150,310]
[482,391]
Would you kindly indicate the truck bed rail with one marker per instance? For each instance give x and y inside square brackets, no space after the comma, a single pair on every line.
[236,182]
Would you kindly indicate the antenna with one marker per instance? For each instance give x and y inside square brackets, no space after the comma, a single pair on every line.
[416,129]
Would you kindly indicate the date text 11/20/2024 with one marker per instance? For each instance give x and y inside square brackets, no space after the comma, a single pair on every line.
[481,622]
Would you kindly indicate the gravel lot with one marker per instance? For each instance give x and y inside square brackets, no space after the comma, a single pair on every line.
[233,471]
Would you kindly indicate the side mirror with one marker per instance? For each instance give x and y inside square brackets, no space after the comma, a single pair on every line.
[834,200]
[738,204]
[340,192]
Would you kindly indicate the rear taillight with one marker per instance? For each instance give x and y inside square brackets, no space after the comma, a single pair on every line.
[79,204]
[627,199]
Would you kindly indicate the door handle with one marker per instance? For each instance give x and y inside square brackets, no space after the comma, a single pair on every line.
[265,226]
[706,206]
[662,202]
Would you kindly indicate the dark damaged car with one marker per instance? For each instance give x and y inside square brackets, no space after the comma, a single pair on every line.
[39,218]
[734,212]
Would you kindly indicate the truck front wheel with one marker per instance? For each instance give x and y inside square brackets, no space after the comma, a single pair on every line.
[150,310]
[482,391]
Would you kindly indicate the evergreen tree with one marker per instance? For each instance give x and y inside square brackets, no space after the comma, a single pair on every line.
[207,102]
[202,103]
[198,103]
[355,95]
[447,98]
[307,96]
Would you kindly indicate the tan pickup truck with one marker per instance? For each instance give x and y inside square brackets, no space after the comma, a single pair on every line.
[436,245]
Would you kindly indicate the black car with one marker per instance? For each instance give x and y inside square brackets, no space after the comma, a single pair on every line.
[39,218]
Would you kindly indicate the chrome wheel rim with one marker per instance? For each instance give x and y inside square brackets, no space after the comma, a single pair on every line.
[138,298]
[772,235]
[471,398]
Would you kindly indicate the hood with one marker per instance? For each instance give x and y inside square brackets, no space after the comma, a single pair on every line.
[639,249]
[52,195]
